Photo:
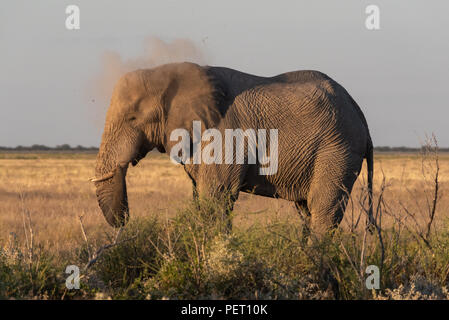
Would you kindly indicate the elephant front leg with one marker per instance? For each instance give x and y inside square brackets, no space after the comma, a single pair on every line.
[219,200]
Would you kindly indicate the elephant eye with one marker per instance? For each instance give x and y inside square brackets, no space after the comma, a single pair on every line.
[132,118]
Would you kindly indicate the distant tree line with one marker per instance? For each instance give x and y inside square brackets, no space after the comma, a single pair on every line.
[41,147]
[405,149]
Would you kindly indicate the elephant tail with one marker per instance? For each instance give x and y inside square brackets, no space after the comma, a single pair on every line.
[369,165]
[370,169]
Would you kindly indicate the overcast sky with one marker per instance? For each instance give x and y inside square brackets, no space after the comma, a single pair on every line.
[398,74]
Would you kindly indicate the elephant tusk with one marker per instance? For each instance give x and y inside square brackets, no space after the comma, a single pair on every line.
[103,178]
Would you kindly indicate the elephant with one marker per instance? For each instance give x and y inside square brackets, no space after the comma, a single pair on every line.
[323,136]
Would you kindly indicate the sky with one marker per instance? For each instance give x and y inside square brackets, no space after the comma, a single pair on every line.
[55,83]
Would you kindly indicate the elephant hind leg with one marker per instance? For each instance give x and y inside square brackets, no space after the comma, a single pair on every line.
[329,194]
[304,213]
[326,217]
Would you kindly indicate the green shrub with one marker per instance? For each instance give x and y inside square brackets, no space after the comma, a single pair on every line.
[194,256]
[30,274]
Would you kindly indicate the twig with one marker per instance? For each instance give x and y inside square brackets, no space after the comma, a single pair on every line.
[84,235]
[350,261]
[378,226]
[436,188]
[377,219]
[100,251]
[362,251]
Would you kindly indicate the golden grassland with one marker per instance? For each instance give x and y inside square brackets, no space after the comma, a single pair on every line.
[54,188]
[44,195]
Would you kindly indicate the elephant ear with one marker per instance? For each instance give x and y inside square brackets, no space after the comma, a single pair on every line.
[192,95]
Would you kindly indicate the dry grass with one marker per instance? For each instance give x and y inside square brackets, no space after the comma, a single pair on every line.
[46,194]
[56,192]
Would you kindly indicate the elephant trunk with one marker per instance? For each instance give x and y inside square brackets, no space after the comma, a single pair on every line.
[110,183]
[113,199]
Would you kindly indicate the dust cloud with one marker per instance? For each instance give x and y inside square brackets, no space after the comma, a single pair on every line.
[113,65]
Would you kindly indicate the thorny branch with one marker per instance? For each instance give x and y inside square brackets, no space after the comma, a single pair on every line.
[93,259]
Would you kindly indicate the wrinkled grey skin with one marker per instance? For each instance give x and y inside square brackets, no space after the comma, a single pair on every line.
[323,135]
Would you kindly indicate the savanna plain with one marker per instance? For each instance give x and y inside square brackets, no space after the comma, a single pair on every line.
[170,249]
